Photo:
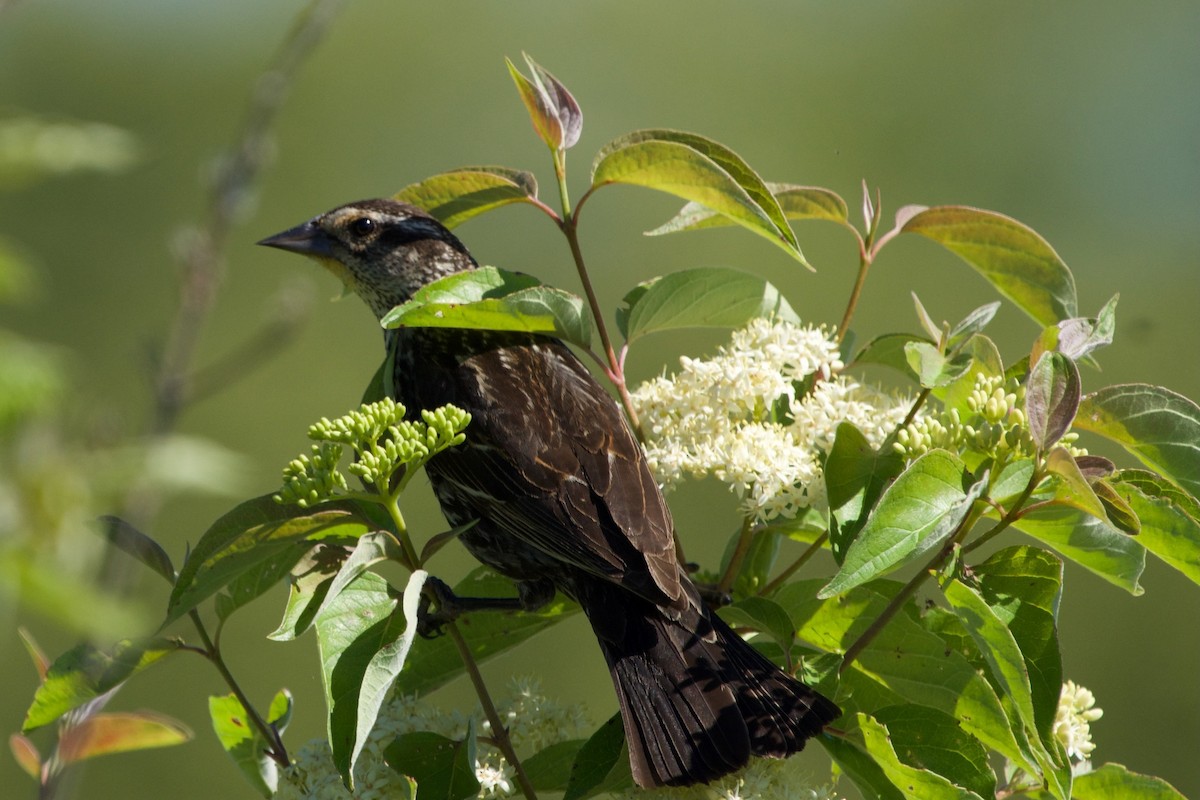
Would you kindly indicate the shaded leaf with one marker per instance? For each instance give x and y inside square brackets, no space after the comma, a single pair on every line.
[1052,395]
[489,298]
[549,769]
[915,782]
[85,672]
[308,585]
[862,769]
[765,615]
[1012,480]
[925,738]
[855,477]
[1011,256]
[454,197]
[444,769]
[757,562]
[890,350]
[434,662]
[126,537]
[109,733]
[1119,512]
[602,764]
[700,170]
[254,532]
[706,297]
[259,579]
[983,358]
[1077,337]
[1158,426]
[917,513]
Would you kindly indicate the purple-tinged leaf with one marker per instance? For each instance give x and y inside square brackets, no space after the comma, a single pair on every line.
[1052,398]
[1094,467]
[555,114]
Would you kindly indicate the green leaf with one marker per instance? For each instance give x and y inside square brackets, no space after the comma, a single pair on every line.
[350,632]
[983,359]
[489,298]
[308,585]
[443,768]
[765,615]
[797,202]
[126,537]
[258,580]
[384,666]
[855,478]
[890,350]
[1051,398]
[700,170]
[973,323]
[1012,480]
[109,733]
[917,512]
[549,769]
[1090,542]
[903,663]
[454,197]
[1115,782]
[254,532]
[757,562]
[706,297]
[863,769]
[925,738]
[555,114]
[244,742]
[1073,489]
[602,764]
[934,368]
[1120,513]
[915,782]
[1158,426]
[434,662]
[85,672]
[1170,520]
[1011,256]
[1023,586]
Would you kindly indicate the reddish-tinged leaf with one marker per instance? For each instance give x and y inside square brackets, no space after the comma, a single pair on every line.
[108,733]
[1052,398]
[26,755]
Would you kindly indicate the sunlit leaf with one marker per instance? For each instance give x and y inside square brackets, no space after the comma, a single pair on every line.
[915,514]
[934,368]
[1170,519]
[36,655]
[454,197]
[1158,426]
[258,580]
[1077,337]
[25,753]
[555,114]
[916,782]
[1120,513]
[242,740]
[706,297]
[700,170]
[85,672]
[108,733]
[254,532]
[489,298]
[1073,488]
[855,477]
[308,585]
[973,323]
[1090,542]
[1010,255]
[797,202]
[1115,782]
[926,738]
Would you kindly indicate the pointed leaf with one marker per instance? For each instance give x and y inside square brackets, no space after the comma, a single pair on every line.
[890,350]
[1011,256]
[1051,398]
[602,764]
[84,673]
[561,103]
[308,585]
[765,615]
[707,297]
[1170,520]
[932,329]
[1115,782]
[855,478]
[1077,337]
[914,781]
[933,367]
[974,322]
[252,533]
[917,512]
[1090,542]
[384,666]
[1158,426]
[259,579]
[1073,489]
[549,769]
[40,662]
[926,738]
[458,195]
[137,544]
[106,734]
[494,299]
[1120,514]
[700,170]
[983,358]
[797,202]
[861,768]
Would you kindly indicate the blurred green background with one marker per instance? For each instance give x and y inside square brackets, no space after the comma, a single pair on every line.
[1082,120]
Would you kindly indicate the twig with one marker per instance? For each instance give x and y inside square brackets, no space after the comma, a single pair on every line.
[790,570]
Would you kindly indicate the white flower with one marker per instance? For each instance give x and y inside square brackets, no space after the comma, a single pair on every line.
[738,416]
[761,779]
[1072,721]
[494,780]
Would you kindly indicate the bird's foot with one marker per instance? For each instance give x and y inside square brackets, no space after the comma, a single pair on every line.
[448,606]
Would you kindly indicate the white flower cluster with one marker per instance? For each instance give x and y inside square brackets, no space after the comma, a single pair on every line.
[741,417]
[1072,721]
[534,721]
[761,779]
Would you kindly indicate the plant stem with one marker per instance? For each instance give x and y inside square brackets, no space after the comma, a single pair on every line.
[1014,513]
[277,752]
[499,731]
[745,537]
[865,257]
[790,570]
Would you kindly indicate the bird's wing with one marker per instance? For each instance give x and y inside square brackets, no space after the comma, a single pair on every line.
[550,461]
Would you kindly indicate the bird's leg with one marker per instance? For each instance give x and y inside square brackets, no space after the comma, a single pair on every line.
[531,595]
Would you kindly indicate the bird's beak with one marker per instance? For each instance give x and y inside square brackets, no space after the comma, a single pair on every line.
[307,239]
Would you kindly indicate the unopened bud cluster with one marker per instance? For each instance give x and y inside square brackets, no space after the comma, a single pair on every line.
[382,441]
[994,426]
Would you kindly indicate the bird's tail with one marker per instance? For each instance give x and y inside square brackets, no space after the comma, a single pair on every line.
[696,699]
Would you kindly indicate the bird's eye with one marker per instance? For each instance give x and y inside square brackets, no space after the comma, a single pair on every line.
[362,226]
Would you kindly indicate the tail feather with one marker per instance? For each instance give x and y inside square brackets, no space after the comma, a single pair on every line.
[697,700]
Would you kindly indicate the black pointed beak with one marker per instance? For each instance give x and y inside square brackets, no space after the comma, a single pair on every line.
[307,239]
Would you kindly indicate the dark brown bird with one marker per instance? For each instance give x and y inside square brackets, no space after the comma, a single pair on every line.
[564,500]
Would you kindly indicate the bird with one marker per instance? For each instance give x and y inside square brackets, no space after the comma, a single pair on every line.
[562,499]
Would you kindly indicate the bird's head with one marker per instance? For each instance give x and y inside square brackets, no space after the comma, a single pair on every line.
[383,250]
